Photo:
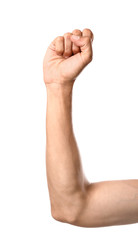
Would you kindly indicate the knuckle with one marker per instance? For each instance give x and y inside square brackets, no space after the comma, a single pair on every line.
[67,34]
[88,32]
[76,32]
[87,29]
[59,38]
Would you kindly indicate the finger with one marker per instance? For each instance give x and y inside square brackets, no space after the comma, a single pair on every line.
[59,45]
[87,33]
[67,45]
[86,47]
[76,49]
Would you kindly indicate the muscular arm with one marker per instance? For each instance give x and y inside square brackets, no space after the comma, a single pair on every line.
[73,199]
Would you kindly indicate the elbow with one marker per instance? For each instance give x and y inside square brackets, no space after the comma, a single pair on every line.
[69,211]
[63,216]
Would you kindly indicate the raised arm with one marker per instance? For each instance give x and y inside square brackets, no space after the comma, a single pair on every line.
[73,199]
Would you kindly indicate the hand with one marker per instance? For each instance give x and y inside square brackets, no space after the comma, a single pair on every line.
[66,56]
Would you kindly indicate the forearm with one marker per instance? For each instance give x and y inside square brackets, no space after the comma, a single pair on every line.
[66,181]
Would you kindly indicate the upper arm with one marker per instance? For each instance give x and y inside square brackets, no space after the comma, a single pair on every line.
[109,203]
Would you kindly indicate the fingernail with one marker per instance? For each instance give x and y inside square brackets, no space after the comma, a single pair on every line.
[75,37]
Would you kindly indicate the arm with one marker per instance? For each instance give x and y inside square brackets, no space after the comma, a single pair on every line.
[66,181]
[73,199]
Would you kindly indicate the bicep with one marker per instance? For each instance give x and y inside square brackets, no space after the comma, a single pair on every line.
[110,203]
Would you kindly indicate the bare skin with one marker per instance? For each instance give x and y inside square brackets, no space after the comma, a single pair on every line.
[73,198]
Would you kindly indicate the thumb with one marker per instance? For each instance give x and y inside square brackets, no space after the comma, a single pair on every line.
[85,44]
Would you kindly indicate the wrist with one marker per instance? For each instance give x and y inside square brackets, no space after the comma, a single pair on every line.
[57,89]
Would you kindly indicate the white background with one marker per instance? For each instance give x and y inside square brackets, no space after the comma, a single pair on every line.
[105,109]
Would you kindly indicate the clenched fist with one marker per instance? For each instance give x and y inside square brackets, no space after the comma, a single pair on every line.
[67,55]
